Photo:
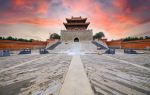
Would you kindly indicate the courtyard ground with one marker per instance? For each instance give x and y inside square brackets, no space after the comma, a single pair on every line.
[35,74]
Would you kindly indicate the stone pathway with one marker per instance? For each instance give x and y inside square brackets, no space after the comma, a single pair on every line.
[76,81]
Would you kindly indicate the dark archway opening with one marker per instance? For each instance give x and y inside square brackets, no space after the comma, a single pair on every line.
[76,40]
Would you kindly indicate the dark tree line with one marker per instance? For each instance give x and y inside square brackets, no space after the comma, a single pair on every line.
[16,39]
[135,38]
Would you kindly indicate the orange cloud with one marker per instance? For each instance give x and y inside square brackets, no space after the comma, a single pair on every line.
[41,21]
[126,20]
[120,4]
[34,21]
[42,7]
[19,2]
[36,6]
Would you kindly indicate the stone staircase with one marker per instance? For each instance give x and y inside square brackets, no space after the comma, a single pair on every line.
[100,44]
[82,47]
[53,45]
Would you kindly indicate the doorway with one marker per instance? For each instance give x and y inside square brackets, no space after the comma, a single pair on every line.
[76,39]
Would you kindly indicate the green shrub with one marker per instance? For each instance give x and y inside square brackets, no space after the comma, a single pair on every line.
[54,36]
[98,35]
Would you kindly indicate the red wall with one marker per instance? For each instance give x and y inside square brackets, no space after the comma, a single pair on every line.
[137,44]
[115,43]
[15,45]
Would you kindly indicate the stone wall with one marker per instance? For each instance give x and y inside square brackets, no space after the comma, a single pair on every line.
[82,35]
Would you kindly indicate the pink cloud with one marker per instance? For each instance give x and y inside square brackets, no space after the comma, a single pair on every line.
[34,21]
[42,8]
[23,11]
[41,21]
[113,23]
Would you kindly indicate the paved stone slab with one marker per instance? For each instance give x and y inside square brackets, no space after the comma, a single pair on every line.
[21,64]
[139,66]
[76,81]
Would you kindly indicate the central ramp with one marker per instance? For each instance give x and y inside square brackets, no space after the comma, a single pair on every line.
[76,81]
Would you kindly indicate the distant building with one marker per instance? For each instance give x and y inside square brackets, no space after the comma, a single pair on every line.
[76,30]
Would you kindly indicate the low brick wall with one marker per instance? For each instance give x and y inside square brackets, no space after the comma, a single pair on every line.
[137,44]
[16,45]
[114,44]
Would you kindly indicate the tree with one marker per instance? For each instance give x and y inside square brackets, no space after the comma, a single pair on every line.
[9,38]
[98,35]
[1,38]
[147,37]
[31,40]
[54,36]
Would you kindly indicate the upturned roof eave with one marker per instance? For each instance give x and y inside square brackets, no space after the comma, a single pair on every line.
[72,19]
[87,23]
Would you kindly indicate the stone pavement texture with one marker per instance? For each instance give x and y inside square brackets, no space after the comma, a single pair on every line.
[35,74]
[76,81]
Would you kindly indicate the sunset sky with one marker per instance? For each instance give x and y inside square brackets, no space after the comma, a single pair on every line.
[37,18]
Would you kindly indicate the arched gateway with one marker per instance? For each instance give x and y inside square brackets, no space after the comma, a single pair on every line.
[76,30]
[76,39]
